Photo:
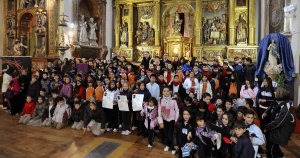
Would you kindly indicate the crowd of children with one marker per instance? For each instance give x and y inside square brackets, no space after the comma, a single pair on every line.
[193,107]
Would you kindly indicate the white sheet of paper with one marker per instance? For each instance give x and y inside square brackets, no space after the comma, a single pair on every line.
[108,100]
[137,102]
[123,103]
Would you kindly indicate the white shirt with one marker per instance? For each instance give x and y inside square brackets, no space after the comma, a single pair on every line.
[188,85]
[175,88]
[153,89]
[6,80]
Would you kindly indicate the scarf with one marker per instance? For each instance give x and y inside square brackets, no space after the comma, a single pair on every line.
[176,83]
[169,75]
[204,87]
[193,86]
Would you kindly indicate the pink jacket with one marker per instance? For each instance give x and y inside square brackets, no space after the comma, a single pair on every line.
[153,117]
[167,110]
[248,93]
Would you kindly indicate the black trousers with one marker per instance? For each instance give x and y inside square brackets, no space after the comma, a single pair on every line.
[151,133]
[112,117]
[126,116]
[265,121]
[15,103]
[168,133]
[205,150]
[273,150]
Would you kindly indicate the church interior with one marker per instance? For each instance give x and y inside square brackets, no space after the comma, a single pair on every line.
[35,33]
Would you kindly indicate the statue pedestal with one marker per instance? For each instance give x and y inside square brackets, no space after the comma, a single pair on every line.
[178,46]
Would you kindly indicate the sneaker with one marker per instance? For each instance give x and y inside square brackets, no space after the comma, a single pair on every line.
[108,129]
[115,130]
[173,152]
[133,128]
[123,132]
[127,132]
[166,148]
[149,146]
[258,155]
[120,126]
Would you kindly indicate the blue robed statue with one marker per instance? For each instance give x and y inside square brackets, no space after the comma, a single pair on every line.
[275,57]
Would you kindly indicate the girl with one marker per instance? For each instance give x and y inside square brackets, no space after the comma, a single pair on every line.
[203,137]
[182,128]
[66,90]
[27,111]
[265,98]
[204,87]
[61,114]
[113,113]
[77,116]
[94,119]
[48,113]
[168,114]
[249,91]
[150,114]
[224,129]
[37,115]
[126,115]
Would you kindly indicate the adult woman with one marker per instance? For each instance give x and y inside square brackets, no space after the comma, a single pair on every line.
[5,84]
[282,124]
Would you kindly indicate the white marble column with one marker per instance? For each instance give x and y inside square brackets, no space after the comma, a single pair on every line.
[264,21]
[109,19]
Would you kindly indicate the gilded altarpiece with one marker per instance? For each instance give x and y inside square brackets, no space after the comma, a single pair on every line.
[191,28]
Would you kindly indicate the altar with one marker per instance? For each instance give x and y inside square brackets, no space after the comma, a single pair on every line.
[195,28]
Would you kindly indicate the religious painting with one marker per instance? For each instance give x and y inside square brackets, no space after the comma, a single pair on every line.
[145,33]
[241,52]
[211,53]
[276,16]
[215,23]
[241,3]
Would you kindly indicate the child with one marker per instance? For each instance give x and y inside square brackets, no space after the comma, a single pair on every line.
[48,113]
[224,128]
[37,115]
[219,112]
[240,112]
[204,87]
[61,114]
[27,111]
[77,116]
[182,128]
[249,105]
[99,91]
[229,107]
[90,91]
[168,114]
[113,113]
[203,137]
[126,115]
[94,119]
[150,114]
[242,144]
[256,135]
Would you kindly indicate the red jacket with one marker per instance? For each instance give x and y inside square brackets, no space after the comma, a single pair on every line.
[15,86]
[28,108]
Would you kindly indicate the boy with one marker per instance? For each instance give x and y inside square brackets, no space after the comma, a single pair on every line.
[229,107]
[77,116]
[27,111]
[256,135]
[153,87]
[99,91]
[243,146]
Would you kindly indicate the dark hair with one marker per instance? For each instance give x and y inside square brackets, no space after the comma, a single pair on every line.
[233,96]
[188,99]
[77,102]
[153,75]
[200,117]
[230,118]
[251,83]
[249,112]
[283,93]
[221,107]
[249,59]
[242,109]
[250,102]
[206,95]
[229,100]
[153,100]
[58,99]
[240,124]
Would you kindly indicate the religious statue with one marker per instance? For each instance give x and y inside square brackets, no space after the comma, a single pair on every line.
[242,30]
[17,48]
[206,30]
[41,21]
[177,24]
[11,27]
[83,35]
[139,32]
[23,4]
[223,32]
[145,31]
[151,36]
[272,67]
[92,34]
[42,4]
[124,33]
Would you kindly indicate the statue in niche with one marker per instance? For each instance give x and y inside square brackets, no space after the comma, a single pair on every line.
[206,30]
[92,34]
[83,35]
[11,27]
[151,35]
[23,4]
[242,29]
[41,21]
[17,48]
[139,32]
[177,24]
[124,33]
[41,52]
[145,31]
[42,4]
